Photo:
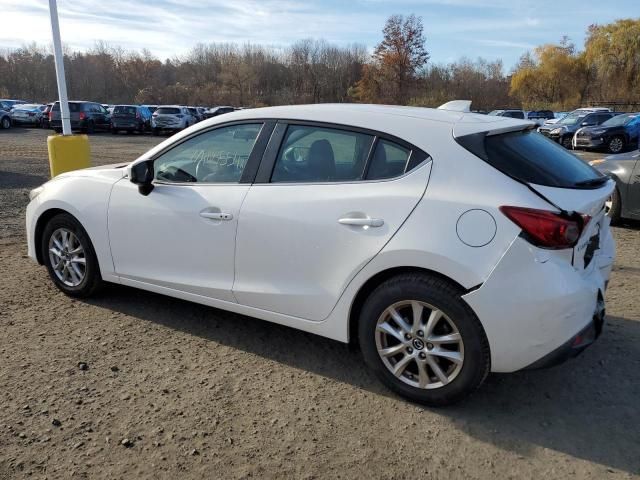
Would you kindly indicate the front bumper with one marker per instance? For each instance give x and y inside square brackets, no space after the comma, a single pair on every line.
[535,301]
[588,142]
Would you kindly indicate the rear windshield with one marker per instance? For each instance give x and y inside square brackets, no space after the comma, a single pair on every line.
[167,111]
[125,109]
[529,157]
[73,107]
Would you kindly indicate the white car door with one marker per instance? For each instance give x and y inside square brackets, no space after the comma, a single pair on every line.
[331,198]
[182,234]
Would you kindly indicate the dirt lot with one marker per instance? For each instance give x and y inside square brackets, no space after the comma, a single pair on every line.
[200,393]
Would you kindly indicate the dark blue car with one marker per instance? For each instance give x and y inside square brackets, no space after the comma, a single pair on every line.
[617,134]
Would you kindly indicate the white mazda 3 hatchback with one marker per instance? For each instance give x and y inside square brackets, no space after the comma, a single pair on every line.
[447,244]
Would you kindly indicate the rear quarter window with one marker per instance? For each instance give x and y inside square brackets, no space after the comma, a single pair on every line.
[529,157]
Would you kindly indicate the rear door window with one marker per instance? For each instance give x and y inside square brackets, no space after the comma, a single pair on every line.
[530,157]
[319,154]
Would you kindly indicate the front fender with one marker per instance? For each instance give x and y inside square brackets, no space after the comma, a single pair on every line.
[87,199]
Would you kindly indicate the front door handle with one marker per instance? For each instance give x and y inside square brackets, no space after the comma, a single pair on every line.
[362,222]
[216,215]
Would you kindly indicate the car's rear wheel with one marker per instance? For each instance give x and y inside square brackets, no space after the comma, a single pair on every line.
[422,340]
[69,256]
[616,144]
[566,142]
[6,123]
[155,132]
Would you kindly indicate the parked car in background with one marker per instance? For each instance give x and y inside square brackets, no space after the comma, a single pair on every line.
[152,108]
[215,111]
[195,114]
[85,117]
[5,118]
[564,130]
[172,118]
[27,114]
[556,116]
[130,118]
[202,113]
[624,168]
[508,113]
[45,115]
[108,107]
[540,116]
[617,134]
[354,222]
[7,103]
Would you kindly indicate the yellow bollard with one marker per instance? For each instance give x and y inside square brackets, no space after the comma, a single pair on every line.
[68,152]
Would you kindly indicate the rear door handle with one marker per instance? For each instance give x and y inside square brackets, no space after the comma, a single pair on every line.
[362,222]
[216,215]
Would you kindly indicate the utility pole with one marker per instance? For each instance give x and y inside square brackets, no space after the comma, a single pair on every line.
[59,61]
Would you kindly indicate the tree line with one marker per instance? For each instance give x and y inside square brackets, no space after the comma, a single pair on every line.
[399,71]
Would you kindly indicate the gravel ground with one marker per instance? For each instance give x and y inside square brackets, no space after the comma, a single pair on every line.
[131,384]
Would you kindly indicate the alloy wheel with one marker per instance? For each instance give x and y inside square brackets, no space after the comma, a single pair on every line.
[615,145]
[67,257]
[419,344]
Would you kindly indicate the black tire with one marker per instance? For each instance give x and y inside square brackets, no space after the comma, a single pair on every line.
[91,128]
[92,280]
[156,132]
[57,130]
[5,123]
[446,297]
[566,142]
[114,131]
[616,144]
[616,207]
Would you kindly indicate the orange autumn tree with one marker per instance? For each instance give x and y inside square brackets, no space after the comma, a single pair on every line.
[396,62]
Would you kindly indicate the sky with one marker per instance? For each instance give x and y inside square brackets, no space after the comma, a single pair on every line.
[491,29]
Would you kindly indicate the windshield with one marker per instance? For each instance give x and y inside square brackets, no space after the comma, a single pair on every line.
[167,111]
[495,112]
[572,118]
[619,120]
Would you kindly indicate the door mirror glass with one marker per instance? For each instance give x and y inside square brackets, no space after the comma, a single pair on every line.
[142,175]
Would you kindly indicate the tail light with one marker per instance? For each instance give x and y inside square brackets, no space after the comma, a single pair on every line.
[547,229]
[82,116]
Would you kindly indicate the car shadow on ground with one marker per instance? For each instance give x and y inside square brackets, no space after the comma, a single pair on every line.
[574,409]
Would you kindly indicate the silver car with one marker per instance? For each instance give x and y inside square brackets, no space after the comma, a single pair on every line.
[28,114]
[624,168]
[171,118]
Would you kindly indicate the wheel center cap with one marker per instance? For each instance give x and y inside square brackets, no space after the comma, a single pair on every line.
[418,344]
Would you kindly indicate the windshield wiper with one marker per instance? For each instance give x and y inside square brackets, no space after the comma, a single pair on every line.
[592,182]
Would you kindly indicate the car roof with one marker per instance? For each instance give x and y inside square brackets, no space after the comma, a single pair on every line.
[417,125]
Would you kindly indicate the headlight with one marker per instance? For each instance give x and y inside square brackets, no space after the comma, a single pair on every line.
[597,162]
[35,192]
[556,130]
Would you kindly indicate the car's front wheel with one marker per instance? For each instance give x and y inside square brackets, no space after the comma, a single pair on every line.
[69,256]
[616,144]
[566,142]
[422,340]
[5,123]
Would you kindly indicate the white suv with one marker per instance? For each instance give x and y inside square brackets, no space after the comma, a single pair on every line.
[171,118]
[447,244]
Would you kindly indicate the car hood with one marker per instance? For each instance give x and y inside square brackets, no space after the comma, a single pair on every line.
[115,171]
[599,129]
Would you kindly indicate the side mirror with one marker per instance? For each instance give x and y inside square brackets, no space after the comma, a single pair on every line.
[142,175]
